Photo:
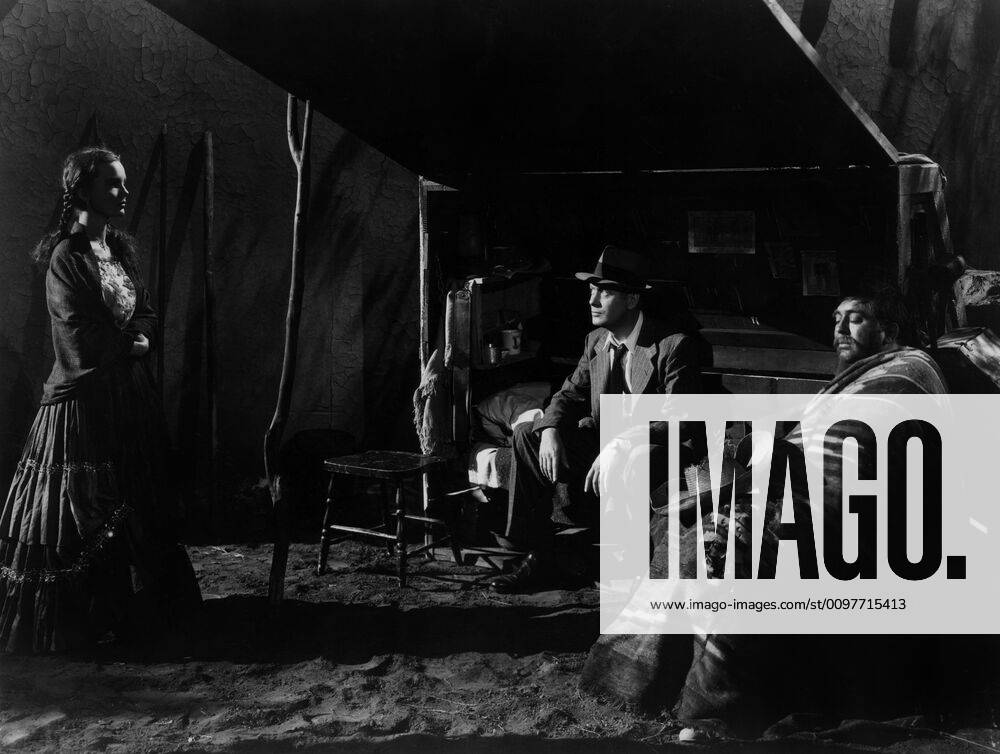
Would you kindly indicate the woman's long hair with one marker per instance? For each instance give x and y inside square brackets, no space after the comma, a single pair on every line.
[78,173]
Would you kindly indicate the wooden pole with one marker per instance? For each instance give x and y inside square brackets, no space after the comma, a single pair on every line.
[425,297]
[298,146]
[425,313]
[208,258]
[161,261]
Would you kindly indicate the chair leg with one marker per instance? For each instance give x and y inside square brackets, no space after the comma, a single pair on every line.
[400,535]
[384,501]
[426,493]
[324,538]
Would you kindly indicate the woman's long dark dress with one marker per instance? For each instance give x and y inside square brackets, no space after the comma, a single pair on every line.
[87,534]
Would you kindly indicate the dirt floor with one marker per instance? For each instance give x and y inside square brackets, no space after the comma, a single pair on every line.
[352,663]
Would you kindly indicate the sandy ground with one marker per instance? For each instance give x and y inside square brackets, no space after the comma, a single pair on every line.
[352,663]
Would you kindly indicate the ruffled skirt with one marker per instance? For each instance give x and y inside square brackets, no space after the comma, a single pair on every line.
[88,532]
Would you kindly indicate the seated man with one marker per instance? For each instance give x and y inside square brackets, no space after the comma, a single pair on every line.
[627,353]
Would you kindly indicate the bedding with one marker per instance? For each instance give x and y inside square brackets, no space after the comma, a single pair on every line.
[493,422]
[487,463]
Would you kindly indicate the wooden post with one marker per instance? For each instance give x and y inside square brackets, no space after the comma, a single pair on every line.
[161,261]
[400,534]
[425,313]
[208,259]
[425,296]
[298,145]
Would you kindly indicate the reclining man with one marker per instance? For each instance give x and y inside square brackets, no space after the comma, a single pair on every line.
[870,334]
[627,353]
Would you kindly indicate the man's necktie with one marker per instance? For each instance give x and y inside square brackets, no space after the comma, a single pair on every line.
[616,377]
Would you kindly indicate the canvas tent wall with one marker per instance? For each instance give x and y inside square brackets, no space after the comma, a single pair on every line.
[131,68]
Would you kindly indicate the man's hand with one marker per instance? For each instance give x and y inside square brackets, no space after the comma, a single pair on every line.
[607,461]
[141,345]
[551,454]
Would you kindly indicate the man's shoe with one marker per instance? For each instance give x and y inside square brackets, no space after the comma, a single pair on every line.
[532,575]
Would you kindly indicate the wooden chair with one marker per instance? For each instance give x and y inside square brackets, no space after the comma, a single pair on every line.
[393,468]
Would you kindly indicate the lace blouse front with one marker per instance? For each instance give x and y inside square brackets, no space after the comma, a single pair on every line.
[118,290]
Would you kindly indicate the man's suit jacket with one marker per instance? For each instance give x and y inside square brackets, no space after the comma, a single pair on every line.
[664,361]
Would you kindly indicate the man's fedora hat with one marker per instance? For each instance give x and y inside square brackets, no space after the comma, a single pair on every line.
[619,267]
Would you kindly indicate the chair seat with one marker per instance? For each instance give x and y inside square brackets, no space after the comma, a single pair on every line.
[394,467]
[383,464]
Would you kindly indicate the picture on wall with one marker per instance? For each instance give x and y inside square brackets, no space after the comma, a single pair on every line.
[721,232]
[820,275]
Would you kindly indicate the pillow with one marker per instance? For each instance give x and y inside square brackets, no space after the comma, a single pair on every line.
[498,414]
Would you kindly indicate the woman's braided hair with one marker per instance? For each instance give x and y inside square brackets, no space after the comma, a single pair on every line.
[68,202]
[78,173]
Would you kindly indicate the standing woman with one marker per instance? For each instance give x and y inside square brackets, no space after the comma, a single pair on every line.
[87,534]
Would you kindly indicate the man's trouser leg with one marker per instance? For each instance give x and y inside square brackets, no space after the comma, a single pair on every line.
[529,510]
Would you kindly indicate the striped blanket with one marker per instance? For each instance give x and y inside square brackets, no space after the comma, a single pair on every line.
[898,372]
